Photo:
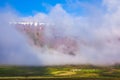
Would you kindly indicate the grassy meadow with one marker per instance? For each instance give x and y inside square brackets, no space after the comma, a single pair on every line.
[66,72]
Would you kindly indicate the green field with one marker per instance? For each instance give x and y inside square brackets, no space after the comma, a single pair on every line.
[66,72]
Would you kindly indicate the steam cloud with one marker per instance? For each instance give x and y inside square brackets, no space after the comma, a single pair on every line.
[97,36]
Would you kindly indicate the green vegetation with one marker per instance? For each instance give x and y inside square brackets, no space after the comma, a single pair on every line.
[60,72]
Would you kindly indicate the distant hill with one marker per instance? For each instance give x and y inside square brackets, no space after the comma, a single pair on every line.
[38,36]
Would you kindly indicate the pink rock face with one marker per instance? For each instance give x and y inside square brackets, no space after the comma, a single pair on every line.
[35,34]
[66,45]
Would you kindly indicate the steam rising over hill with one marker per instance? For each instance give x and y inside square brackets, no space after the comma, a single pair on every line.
[58,37]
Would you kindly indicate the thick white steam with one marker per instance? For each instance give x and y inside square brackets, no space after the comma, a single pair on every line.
[97,36]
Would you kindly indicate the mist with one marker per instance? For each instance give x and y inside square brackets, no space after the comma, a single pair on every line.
[14,48]
[96,35]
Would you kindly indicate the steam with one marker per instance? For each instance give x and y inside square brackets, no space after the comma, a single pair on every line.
[14,48]
[97,37]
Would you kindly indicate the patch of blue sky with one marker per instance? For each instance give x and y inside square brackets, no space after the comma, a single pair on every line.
[31,7]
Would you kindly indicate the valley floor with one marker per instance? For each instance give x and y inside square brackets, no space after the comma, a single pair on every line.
[66,72]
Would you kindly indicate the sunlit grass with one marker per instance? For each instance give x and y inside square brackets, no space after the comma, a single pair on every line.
[67,71]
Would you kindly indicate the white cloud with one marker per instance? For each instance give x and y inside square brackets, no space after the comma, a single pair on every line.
[98,35]
[112,4]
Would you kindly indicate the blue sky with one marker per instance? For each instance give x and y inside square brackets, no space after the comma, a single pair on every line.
[30,7]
